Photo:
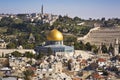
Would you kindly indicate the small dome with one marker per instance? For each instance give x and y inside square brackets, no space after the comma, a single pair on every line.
[55,35]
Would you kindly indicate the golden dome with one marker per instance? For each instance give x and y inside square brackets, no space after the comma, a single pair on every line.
[55,35]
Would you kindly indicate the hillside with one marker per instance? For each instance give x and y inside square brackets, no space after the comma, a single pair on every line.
[98,36]
[17,28]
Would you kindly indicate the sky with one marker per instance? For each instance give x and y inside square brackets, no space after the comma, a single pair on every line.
[82,8]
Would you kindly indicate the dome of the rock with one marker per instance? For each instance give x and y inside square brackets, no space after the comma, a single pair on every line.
[55,35]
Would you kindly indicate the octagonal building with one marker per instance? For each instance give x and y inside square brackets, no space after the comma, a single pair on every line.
[55,43]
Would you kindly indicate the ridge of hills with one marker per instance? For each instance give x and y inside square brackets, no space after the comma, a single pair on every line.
[17,29]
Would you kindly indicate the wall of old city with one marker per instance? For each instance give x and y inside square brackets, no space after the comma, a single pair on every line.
[7,51]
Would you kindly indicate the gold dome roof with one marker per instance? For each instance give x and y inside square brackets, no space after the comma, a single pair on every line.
[55,35]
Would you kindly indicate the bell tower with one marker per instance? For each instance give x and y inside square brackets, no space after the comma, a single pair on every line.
[116,47]
[42,9]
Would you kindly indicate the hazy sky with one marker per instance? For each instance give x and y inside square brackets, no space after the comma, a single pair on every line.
[80,8]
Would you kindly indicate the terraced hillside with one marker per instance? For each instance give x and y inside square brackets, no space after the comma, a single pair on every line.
[102,35]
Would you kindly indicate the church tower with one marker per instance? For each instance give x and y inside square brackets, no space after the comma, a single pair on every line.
[31,38]
[116,47]
[42,9]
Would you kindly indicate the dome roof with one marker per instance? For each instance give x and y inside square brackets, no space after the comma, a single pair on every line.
[55,35]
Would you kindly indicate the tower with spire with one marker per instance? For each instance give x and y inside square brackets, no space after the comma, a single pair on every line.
[31,38]
[42,9]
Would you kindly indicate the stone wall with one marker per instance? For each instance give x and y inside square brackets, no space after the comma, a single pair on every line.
[7,51]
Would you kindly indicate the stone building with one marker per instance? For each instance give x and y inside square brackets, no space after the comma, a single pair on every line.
[2,43]
[55,44]
[58,67]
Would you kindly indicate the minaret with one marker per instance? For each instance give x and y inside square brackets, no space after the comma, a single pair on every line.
[116,47]
[42,9]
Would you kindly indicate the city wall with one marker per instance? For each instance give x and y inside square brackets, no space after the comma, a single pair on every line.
[7,51]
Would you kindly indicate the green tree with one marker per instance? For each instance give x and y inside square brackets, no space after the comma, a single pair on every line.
[111,49]
[28,46]
[76,46]
[16,54]
[104,48]
[29,55]
[105,73]
[95,49]
[69,40]
[6,21]
[23,38]
[39,38]
[11,31]
[84,30]
[50,51]
[81,45]
[11,45]
[27,74]
[69,64]
[76,19]
[88,46]
[39,55]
